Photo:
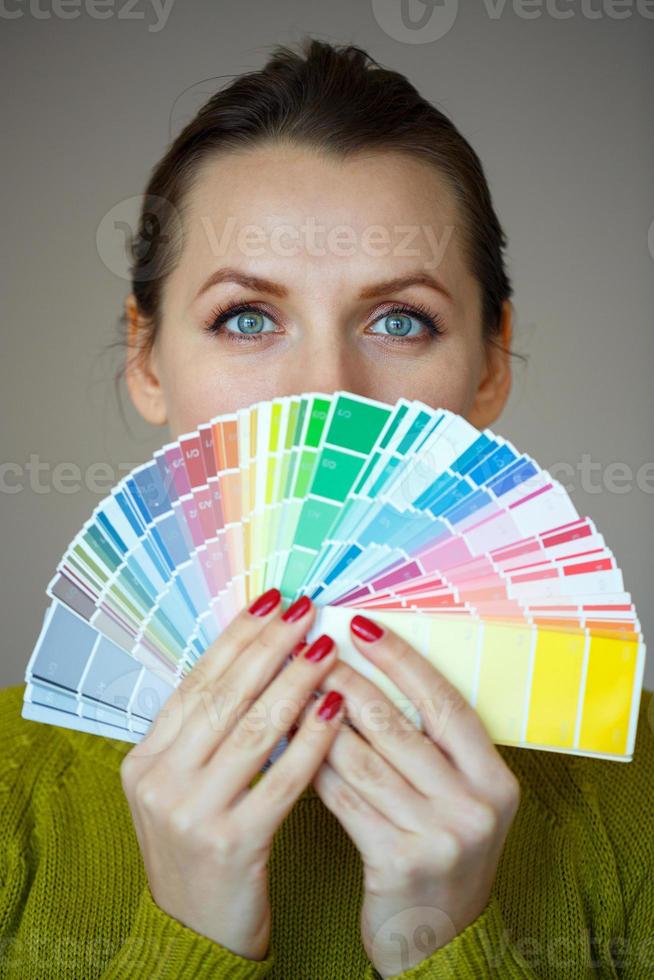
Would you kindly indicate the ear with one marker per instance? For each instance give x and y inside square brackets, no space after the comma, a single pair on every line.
[495,382]
[141,374]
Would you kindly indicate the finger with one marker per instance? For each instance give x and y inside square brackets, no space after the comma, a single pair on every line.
[297,651]
[274,795]
[224,701]
[448,718]
[240,663]
[393,735]
[242,753]
[378,782]
[220,654]
[239,633]
[368,829]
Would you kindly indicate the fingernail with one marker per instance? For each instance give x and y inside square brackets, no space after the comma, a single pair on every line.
[319,648]
[299,609]
[298,647]
[330,705]
[264,603]
[365,629]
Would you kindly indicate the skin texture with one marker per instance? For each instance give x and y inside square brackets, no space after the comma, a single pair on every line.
[429,812]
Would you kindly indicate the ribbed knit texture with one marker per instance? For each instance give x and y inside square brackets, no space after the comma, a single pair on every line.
[573,897]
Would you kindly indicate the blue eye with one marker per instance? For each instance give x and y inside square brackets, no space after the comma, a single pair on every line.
[250,320]
[249,323]
[397,324]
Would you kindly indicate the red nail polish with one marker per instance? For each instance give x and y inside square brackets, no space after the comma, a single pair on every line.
[330,705]
[319,648]
[365,629]
[299,609]
[297,649]
[265,603]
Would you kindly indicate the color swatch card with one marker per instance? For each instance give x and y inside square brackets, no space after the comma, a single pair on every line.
[446,534]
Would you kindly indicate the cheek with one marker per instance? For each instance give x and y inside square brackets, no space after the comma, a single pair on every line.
[200,384]
[455,391]
[448,380]
[191,386]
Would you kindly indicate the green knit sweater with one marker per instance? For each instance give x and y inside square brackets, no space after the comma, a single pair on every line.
[573,897]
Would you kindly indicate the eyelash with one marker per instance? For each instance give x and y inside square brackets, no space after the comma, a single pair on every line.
[220,314]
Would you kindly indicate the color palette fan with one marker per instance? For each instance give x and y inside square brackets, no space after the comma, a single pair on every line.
[447,534]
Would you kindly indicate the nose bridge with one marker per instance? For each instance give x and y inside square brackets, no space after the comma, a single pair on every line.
[327,360]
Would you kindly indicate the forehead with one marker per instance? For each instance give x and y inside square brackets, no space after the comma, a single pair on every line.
[297,212]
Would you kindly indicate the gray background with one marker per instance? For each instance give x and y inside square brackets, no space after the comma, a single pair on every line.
[557,108]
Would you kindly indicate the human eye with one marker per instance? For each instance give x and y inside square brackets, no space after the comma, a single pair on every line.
[249,326]
[250,323]
[397,321]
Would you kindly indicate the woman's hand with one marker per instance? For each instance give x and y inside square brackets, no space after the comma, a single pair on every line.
[204,834]
[429,813]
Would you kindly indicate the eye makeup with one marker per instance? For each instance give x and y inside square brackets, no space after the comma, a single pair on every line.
[220,314]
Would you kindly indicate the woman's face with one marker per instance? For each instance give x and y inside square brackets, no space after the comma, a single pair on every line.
[320,254]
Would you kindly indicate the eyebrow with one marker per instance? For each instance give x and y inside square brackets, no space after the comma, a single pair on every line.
[257,283]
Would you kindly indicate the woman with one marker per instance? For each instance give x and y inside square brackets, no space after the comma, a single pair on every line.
[318,226]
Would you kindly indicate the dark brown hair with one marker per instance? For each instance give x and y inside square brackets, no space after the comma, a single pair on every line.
[332,99]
